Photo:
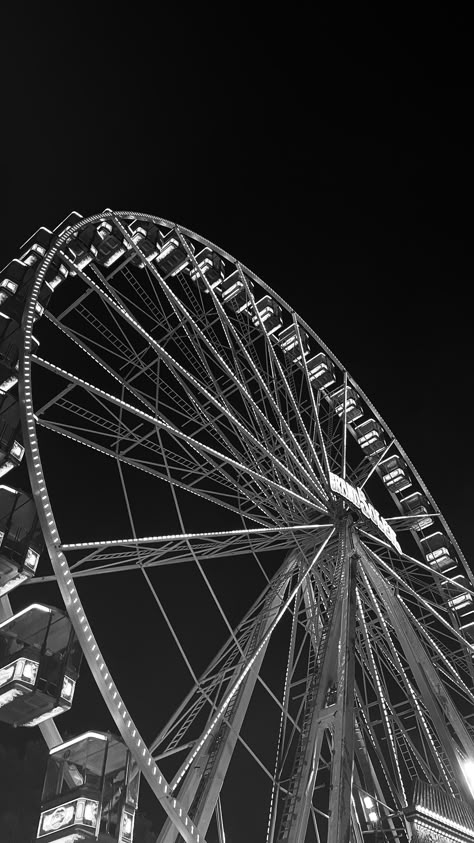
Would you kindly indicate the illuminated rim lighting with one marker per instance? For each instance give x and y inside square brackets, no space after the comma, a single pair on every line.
[60,566]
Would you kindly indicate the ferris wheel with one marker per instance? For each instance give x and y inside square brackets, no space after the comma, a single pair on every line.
[195,450]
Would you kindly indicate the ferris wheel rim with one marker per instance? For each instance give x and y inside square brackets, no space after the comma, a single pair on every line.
[33,455]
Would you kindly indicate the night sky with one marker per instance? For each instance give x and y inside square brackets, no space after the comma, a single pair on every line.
[333,157]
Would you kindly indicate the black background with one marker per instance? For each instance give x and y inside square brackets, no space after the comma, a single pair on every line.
[331,155]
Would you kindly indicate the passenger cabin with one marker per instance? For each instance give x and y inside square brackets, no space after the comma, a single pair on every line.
[148,238]
[294,343]
[111,245]
[269,315]
[83,248]
[90,791]
[417,505]
[8,282]
[370,437]
[32,253]
[351,403]
[395,474]
[56,272]
[437,550]
[40,659]
[209,267]
[235,293]
[15,285]
[21,540]
[320,370]
[34,249]
[10,340]
[11,449]
[462,602]
[173,257]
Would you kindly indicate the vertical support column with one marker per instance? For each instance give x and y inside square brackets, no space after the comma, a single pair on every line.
[334,668]
[343,757]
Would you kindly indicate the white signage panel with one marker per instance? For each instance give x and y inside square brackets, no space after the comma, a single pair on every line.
[357,497]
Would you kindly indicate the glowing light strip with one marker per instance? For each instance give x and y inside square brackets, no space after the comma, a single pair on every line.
[9,489]
[83,737]
[23,611]
[187,536]
[445,820]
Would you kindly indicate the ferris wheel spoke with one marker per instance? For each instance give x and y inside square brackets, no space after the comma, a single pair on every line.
[232,334]
[115,310]
[155,551]
[182,310]
[433,609]
[252,455]
[439,654]
[113,301]
[226,661]
[228,720]
[216,537]
[262,643]
[199,446]
[153,591]
[374,466]
[204,691]
[120,351]
[242,430]
[290,396]
[257,431]
[198,336]
[417,564]
[85,347]
[213,593]
[344,429]
[219,499]
[315,403]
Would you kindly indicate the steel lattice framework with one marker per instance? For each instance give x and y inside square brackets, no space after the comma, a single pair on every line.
[166,370]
